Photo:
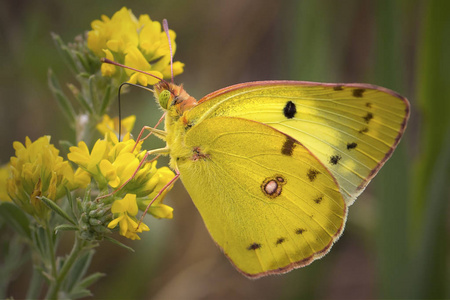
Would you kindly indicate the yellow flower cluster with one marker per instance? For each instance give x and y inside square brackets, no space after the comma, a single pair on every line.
[125,210]
[113,163]
[136,42]
[37,170]
[4,175]
[112,125]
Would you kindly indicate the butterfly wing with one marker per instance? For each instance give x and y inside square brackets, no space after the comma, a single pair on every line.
[351,128]
[266,200]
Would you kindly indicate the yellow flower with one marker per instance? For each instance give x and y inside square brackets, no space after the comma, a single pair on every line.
[89,161]
[114,34]
[125,211]
[178,68]
[139,43]
[135,59]
[108,70]
[38,170]
[112,125]
[121,164]
[5,173]
[158,181]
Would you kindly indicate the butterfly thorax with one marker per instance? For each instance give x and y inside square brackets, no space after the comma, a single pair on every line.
[176,102]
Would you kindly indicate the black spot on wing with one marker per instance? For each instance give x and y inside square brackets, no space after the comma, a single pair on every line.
[369,105]
[338,88]
[280,241]
[358,93]
[351,145]
[289,110]
[300,231]
[254,246]
[335,159]
[368,117]
[288,146]
[318,199]
[364,130]
[312,174]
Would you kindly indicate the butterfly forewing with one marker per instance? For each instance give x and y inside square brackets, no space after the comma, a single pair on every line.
[352,129]
[267,201]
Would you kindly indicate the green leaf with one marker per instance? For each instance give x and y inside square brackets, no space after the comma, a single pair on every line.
[65,227]
[53,206]
[62,100]
[65,53]
[80,294]
[106,100]
[16,218]
[84,103]
[83,61]
[92,92]
[89,280]
[114,241]
[78,270]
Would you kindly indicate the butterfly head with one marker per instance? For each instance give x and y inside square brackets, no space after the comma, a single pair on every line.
[173,97]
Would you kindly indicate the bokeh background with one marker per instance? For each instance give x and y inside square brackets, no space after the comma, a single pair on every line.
[396,242]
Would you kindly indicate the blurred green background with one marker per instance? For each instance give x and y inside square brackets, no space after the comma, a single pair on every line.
[396,242]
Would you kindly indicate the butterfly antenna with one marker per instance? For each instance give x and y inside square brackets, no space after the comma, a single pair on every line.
[107,61]
[166,30]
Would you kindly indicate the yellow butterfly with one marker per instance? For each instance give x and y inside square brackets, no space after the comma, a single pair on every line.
[272,166]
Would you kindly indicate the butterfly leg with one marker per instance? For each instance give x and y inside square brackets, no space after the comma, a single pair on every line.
[151,152]
[171,182]
[139,138]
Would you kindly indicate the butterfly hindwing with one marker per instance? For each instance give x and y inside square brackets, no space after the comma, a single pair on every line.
[351,128]
[267,201]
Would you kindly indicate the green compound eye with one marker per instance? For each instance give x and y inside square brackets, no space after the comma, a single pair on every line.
[164,98]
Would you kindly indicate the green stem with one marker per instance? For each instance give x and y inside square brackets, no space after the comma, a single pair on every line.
[51,250]
[35,285]
[74,254]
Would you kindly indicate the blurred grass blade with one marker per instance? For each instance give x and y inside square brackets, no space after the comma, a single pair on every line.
[432,90]
[429,265]
[392,215]
[430,276]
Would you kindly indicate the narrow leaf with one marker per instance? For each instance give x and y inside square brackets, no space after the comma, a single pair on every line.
[65,53]
[80,294]
[83,61]
[16,218]
[93,93]
[52,205]
[89,280]
[65,227]
[106,100]
[114,241]
[62,100]
[79,269]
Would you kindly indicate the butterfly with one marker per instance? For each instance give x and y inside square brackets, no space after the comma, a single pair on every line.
[273,166]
